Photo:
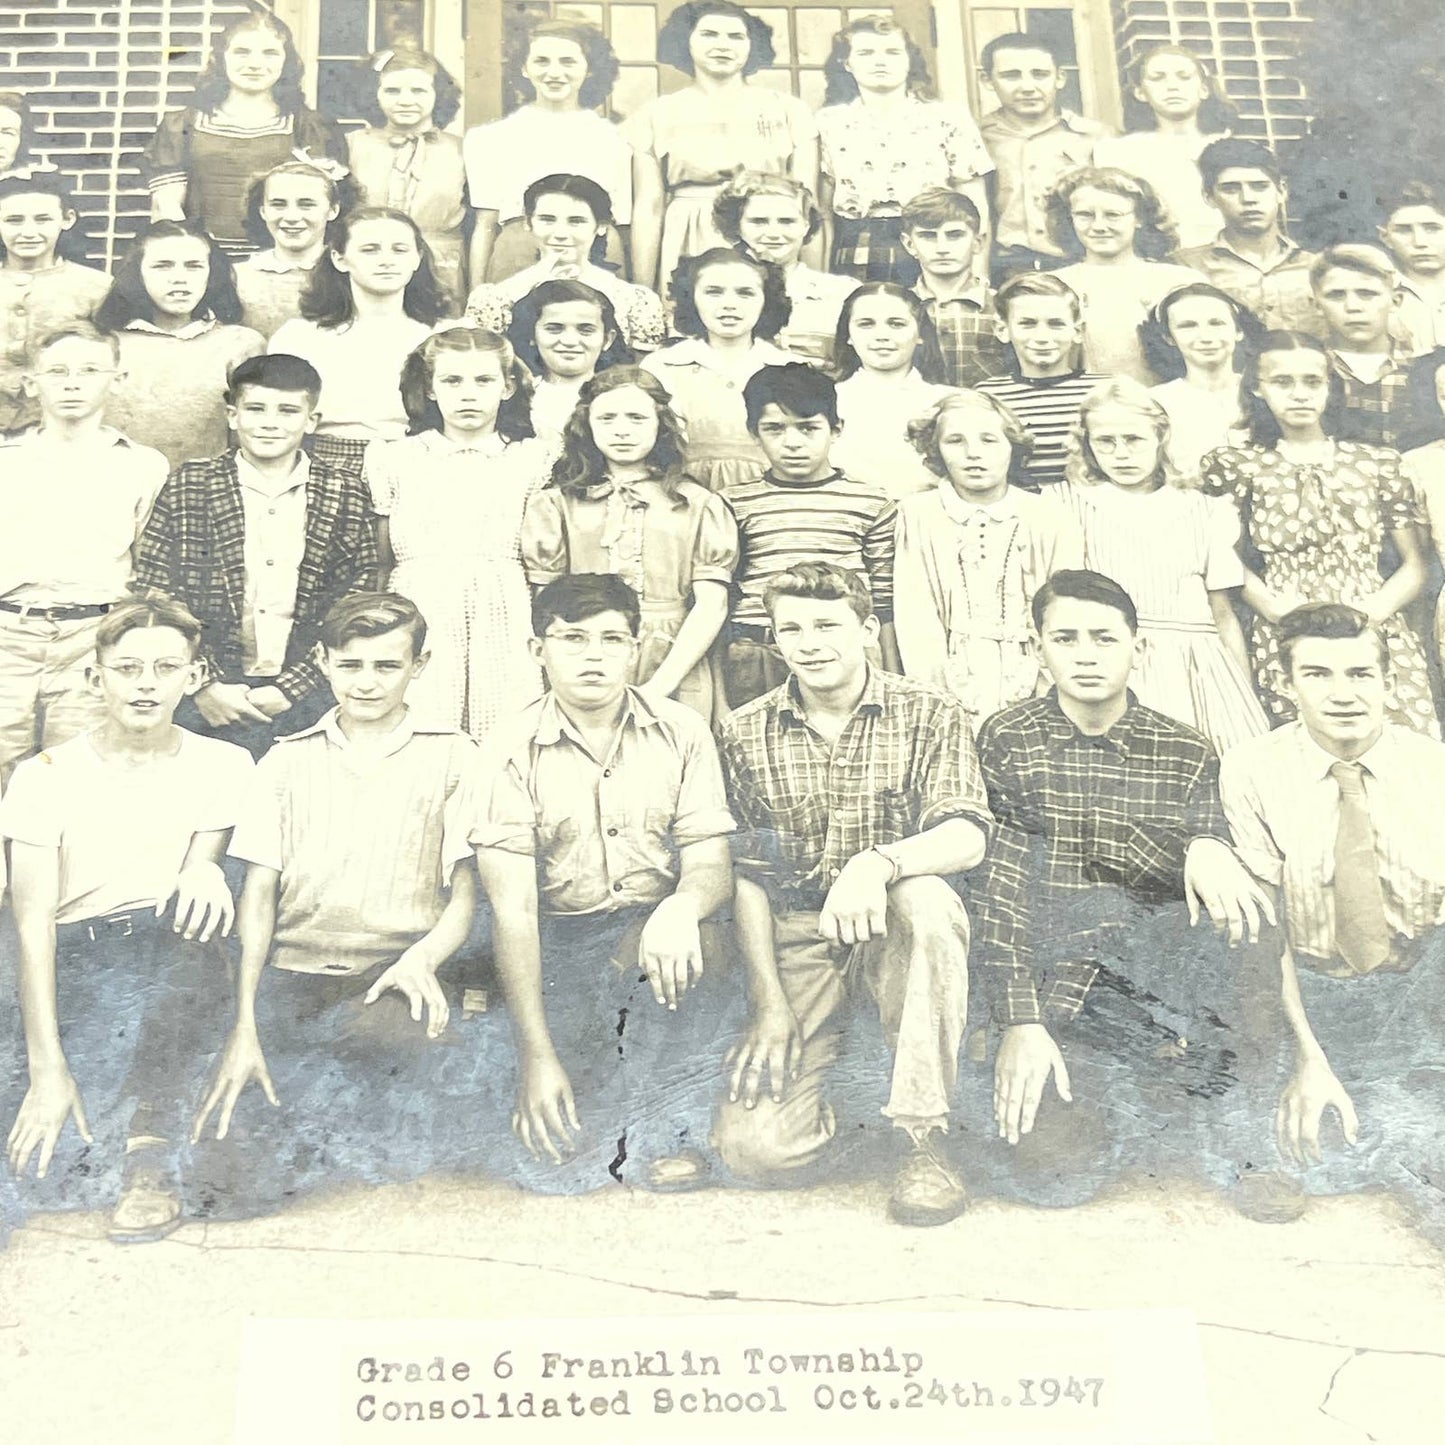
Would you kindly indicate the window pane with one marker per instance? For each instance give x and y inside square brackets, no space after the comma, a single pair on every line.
[587,14]
[636,85]
[336,89]
[1053,25]
[634,33]
[345,27]
[990,24]
[782,41]
[400,21]
[816,29]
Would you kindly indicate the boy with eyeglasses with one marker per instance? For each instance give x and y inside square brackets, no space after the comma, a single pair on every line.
[74,497]
[105,831]
[602,840]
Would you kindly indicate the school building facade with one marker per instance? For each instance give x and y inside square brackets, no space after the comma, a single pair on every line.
[101,73]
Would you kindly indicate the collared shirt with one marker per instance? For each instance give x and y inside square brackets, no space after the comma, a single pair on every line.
[274,546]
[1374,411]
[70,513]
[365,839]
[1278,293]
[197,326]
[1284,809]
[1085,824]
[839,520]
[903,763]
[965,327]
[605,832]
[1418,323]
[1029,163]
[1049,407]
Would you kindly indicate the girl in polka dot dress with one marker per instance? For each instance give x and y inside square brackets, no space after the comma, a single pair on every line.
[1318,512]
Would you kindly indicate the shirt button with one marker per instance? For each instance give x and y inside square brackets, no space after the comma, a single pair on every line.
[617,888]
[270,561]
[270,511]
[606,772]
[612,832]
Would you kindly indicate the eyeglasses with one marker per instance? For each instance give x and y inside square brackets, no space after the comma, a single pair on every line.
[132,669]
[609,642]
[81,373]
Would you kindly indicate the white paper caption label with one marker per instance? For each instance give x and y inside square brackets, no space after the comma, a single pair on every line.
[1116,1378]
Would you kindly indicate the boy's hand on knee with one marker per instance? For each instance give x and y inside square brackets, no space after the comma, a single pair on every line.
[1026,1058]
[772,1044]
[224,703]
[414,976]
[53,1096]
[204,905]
[670,950]
[241,1062]
[856,908]
[545,1119]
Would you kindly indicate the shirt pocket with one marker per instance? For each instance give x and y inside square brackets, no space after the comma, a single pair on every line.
[788,837]
[641,847]
[559,858]
[896,815]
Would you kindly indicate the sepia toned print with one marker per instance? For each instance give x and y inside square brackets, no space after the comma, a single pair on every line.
[635,637]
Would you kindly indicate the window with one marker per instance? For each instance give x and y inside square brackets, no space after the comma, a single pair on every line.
[347,31]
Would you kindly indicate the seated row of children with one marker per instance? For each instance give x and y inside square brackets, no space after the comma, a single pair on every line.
[680,931]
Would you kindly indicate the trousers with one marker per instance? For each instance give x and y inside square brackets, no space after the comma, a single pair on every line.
[916,975]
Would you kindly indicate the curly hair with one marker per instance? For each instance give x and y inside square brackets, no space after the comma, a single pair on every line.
[1160,352]
[405,57]
[527,316]
[674,39]
[841,87]
[1264,430]
[596,48]
[342,194]
[923,432]
[212,87]
[1217,115]
[327,299]
[682,291]
[582,465]
[927,357]
[514,416]
[1155,237]
[732,201]
[1424,418]
[128,299]
[1082,468]
[13,100]
[35,182]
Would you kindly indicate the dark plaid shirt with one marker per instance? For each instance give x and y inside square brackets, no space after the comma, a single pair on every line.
[904,762]
[1374,410]
[1085,827]
[965,326]
[193,548]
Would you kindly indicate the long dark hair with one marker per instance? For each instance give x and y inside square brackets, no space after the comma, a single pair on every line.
[841,87]
[675,37]
[514,416]
[527,313]
[582,465]
[367,81]
[928,358]
[129,301]
[327,299]
[212,87]
[682,290]
[1264,430]
[1160,352]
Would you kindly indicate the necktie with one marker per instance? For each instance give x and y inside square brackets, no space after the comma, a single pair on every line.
[1362,936]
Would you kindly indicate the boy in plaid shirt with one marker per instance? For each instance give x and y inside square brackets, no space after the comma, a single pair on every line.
[1110,840]
[259,542]
[943,232]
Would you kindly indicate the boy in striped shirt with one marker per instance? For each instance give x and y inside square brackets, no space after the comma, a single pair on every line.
[358,889]
[802,509]
[1040,320]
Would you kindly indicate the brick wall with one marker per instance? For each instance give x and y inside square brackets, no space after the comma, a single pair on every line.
[99,74]
[1251,44]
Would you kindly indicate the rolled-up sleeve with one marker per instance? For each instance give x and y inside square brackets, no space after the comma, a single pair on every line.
[505,816]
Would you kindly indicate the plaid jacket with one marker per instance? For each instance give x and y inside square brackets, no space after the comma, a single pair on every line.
[193,548]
